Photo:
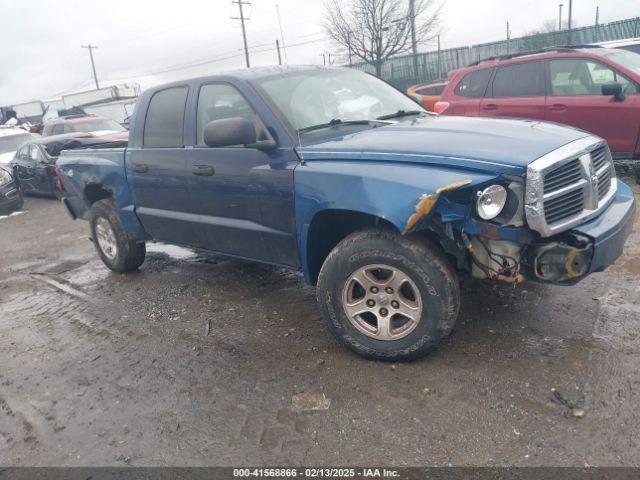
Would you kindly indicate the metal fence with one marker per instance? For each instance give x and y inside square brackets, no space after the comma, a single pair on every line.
[426,67]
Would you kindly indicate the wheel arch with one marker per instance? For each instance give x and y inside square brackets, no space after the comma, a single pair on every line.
[328,228]
[96,191]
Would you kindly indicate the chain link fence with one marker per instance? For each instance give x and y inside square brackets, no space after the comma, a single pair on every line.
[428,67]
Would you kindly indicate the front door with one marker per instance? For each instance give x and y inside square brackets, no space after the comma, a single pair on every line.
[576,99]
[230,187]
[159,169]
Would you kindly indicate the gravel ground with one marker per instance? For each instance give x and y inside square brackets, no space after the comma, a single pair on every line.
[209,361]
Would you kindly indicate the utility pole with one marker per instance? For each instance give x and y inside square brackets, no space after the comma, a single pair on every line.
[278,48]
[508,37]
[569,22]
[240,3]
[597,14]
[439,69]
[560,16]
[93,65]
[284,49]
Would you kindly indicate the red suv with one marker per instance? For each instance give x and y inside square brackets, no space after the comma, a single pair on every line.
[595,89]
[98,126]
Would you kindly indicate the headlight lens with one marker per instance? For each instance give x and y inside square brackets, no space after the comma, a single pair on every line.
[491,201]
[5,177]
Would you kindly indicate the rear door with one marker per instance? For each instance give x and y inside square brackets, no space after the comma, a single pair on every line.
[467,93]
[231,186]
[575,98]
[159,166]
[516,90]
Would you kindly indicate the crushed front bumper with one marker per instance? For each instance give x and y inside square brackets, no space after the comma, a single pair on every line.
[590,247]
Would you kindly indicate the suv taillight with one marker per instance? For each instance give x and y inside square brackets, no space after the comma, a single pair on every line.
[440,107]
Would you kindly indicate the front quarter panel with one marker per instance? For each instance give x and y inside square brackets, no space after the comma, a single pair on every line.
[385,190]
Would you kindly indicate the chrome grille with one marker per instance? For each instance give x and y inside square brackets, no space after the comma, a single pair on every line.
[599,157]
[569,185]
[563,176]
[564,206]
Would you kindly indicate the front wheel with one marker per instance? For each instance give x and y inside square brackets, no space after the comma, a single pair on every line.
[118,252]
[388,297]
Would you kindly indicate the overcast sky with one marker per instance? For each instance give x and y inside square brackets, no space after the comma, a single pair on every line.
[148,41]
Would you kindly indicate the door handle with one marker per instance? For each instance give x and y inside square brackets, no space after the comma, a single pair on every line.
[558,107]
[490,106]
[140,168]
[202,170]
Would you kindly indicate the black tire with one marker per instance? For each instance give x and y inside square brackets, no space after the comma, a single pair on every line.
[129,253]
[422,262]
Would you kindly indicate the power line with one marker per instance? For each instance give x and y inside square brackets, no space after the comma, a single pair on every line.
[208,61]
[93,65]
[240,3]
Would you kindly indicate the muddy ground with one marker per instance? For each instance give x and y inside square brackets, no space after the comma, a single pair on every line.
[208,361]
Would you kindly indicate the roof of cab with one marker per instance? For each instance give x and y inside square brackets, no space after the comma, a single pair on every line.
[248,74]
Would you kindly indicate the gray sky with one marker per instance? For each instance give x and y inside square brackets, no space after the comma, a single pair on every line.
[146,41]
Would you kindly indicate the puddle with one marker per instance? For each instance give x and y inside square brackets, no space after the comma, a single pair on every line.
[179,253]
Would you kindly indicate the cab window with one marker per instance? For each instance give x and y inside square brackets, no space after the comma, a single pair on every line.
[164,123]
[217,101]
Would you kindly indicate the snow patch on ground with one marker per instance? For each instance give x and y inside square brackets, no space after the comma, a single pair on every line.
[179,253]
[2,217]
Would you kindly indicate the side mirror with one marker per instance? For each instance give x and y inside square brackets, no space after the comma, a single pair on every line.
[613,89]
[229,131]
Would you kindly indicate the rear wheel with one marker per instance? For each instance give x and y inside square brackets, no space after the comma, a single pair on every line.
[388,297]
[116,249]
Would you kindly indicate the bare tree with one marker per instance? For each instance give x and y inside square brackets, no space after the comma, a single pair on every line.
[549,25]
[374,30]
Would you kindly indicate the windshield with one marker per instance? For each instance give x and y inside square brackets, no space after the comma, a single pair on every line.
[11,143]
[97,125]
[629,60]
[318,97]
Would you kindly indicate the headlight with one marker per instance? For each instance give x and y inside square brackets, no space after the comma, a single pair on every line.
[5,177]
[491,201]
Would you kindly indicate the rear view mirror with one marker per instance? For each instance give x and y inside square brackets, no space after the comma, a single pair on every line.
[229,131]
[613,89]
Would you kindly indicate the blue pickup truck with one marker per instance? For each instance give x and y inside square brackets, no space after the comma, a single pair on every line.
[381,204]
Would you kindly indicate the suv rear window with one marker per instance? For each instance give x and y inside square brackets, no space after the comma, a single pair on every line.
[519,80]
[474,84]
[165,119]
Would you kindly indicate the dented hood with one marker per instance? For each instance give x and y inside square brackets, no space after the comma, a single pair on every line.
[468,142]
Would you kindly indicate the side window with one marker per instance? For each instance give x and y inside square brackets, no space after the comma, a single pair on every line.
[57,129]
[474,84]
[519,80]
[217,101]
[435,90]
[24,153]
[164,123]
[34,154]
[578,76]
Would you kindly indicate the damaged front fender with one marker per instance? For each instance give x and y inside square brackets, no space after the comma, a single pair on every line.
[428,201]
